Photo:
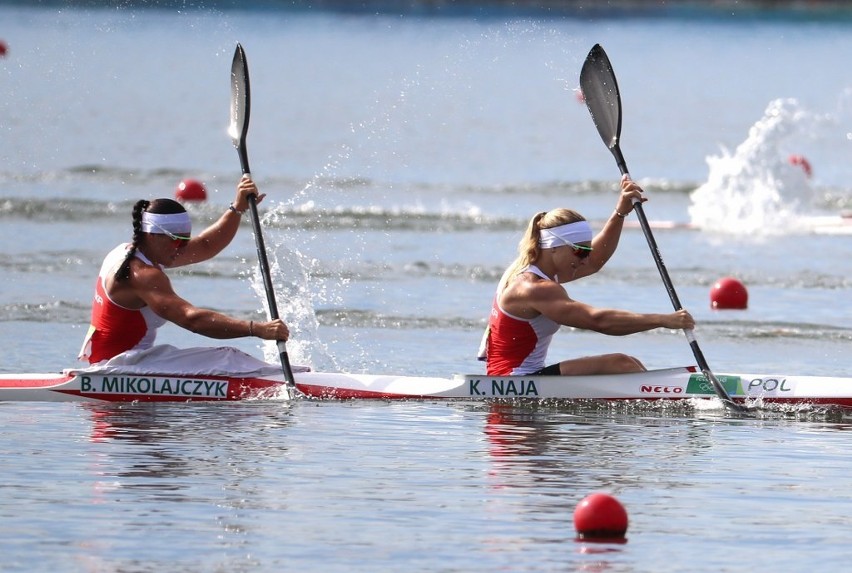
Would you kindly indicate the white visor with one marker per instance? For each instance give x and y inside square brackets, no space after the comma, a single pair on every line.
[570,234]
[164,224]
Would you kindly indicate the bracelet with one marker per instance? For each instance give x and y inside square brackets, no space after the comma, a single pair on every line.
[619,215]
[251,328]
[235,210]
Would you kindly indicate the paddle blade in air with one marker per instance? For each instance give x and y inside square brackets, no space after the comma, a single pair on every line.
[240,105]
[600,90]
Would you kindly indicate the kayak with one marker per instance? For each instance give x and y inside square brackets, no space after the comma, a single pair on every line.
[133,386]
[682,383]
[666,384]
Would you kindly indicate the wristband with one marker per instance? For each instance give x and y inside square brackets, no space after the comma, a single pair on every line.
[619,215]
[235,210]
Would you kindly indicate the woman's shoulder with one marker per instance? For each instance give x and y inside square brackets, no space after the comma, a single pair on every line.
[142,269]
[528,284]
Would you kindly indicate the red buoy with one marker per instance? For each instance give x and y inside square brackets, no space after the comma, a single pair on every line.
[600,517]
[728,293]
[190,190]
[3,49]
[801,161]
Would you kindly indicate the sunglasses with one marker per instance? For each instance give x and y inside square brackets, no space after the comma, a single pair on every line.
[177,240]
[581,251]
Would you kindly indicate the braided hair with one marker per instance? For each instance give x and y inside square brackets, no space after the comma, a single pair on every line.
[161,206]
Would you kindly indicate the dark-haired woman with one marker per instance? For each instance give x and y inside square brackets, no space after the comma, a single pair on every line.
[531,304]
[133,294]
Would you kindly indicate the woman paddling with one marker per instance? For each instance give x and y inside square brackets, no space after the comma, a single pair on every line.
[133,294]
[530,304]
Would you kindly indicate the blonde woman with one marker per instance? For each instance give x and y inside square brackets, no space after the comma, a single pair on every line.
[531,304]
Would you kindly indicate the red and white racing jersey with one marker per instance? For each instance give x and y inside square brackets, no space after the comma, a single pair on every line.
[517,345]
[114,328]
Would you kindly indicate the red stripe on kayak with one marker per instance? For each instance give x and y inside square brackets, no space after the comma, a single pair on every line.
[34,382]
[332,392]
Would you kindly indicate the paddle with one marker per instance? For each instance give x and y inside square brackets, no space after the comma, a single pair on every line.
[600,89]
[238,129]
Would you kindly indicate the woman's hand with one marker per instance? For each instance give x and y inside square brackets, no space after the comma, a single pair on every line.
[680,320]
[272,330]
[245,188]
[630,191]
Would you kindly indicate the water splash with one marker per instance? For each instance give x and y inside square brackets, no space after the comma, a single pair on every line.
[295,294]
[756,190]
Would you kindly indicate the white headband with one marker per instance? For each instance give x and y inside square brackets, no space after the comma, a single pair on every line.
[570,234]
[163,224]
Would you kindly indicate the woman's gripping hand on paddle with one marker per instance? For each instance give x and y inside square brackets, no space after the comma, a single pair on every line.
[630,193]
[245,188]
[680,320]
[271,330]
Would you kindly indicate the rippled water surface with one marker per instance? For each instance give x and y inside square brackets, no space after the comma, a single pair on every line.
[431,486]
[403,157]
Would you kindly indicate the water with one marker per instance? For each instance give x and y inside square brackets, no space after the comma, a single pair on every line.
[403,157]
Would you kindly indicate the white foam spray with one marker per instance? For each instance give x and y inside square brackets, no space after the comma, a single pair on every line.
[756,190]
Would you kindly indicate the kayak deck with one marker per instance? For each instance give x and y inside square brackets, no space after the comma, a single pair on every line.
[112,387]
[666,384]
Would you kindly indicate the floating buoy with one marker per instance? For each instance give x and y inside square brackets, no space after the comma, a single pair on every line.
[728,293]
[3,49]
[190,190]
[600,517]
[801,161]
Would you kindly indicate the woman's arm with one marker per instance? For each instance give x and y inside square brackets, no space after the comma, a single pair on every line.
[552,301]
[606,241]
[153,287]
[212,240]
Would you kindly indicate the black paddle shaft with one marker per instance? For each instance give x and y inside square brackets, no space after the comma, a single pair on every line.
[600,91]
[240,113]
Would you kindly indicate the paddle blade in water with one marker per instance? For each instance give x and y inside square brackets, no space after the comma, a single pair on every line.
[600,90]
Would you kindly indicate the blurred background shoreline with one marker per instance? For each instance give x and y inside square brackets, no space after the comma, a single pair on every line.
[824,10]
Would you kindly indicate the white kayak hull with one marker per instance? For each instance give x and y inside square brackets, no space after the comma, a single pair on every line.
[135,387]
[667,384]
